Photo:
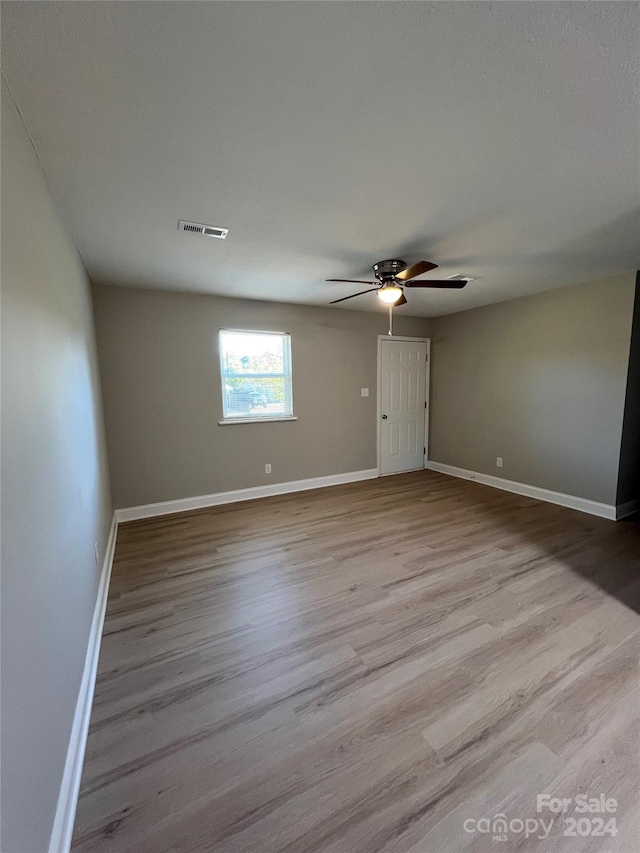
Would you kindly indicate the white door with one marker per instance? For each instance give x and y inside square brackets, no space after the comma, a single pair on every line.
[403,373]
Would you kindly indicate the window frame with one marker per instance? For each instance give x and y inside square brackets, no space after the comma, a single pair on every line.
[287,376]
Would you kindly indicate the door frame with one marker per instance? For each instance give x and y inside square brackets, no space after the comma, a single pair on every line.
[427,341]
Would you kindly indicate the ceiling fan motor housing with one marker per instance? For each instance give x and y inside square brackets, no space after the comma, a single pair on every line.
[386,271]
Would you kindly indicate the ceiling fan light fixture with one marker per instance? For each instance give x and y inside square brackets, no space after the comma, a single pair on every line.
[389,294]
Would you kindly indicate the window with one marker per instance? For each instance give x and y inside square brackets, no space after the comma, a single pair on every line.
[256,375]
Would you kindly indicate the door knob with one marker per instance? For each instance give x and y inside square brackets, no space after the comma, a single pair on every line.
[384,417]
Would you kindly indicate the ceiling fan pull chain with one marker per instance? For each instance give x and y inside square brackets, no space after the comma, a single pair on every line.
[390,320]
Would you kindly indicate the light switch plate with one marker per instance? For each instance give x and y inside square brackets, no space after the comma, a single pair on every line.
[364,392]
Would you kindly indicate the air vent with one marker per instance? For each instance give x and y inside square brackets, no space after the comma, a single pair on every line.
[205,230]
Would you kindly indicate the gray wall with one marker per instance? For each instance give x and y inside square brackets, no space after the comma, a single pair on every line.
[629,473]
[539,381]
[55,494]
[161,385]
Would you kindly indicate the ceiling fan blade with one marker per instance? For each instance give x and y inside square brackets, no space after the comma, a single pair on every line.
[352,295]
[455,284]
[351,281]
[402,301]
[416,269]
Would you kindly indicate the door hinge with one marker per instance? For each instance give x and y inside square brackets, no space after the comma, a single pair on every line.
[425,404]
[424,451]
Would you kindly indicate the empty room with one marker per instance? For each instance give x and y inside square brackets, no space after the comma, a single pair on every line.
[320,427]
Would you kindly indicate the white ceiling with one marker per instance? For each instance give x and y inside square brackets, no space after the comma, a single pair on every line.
[497,139]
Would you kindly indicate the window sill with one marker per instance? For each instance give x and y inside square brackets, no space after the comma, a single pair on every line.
[254,420]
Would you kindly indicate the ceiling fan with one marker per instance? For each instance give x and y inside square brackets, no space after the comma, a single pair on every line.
[392,276]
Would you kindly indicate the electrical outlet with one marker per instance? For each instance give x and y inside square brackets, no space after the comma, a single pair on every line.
[95,552]
[267,468]
[499,461]
[364,392]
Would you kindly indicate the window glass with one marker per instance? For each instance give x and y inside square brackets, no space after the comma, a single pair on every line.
[256,374]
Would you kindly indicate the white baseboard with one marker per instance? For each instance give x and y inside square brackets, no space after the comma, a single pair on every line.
[60,841]
[628,508]
[592,507]
[134,513]
[62,832]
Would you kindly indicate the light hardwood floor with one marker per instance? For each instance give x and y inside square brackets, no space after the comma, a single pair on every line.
[364,668]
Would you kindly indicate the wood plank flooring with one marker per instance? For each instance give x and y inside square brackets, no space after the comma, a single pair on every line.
[366,668]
